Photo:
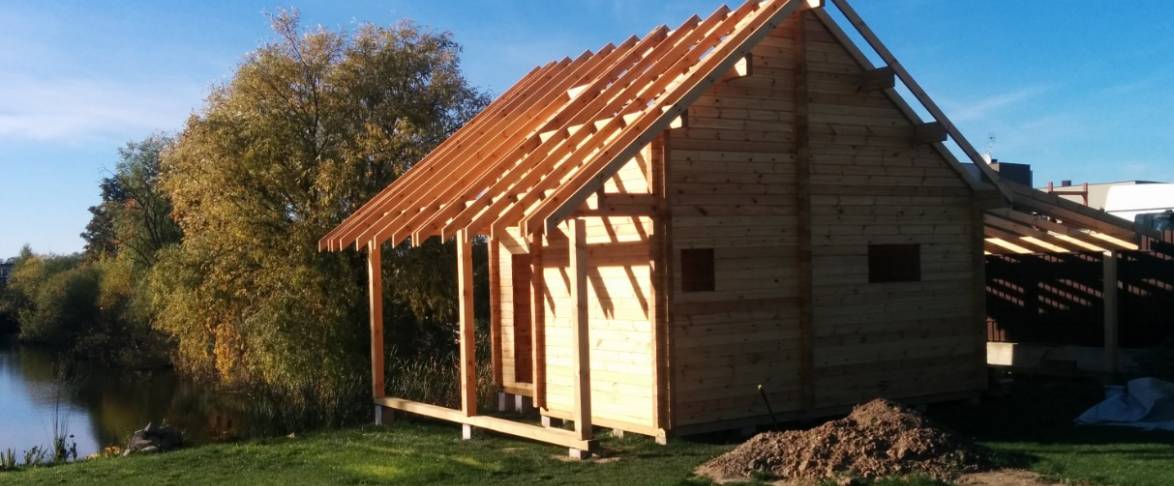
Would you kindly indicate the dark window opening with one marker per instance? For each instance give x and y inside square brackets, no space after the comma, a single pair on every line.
[697,270]
[894,263]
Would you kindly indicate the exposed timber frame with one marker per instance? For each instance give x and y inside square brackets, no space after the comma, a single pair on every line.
[535,163]
[579,442]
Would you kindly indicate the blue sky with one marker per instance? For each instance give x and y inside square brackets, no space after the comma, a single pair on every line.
[1079,89]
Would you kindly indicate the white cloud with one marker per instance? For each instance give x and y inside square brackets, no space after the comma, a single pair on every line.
[984,107]
[73,109]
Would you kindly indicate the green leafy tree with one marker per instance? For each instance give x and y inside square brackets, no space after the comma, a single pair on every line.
[134,218]
[308,129]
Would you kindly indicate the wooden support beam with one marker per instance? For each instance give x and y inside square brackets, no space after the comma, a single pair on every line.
[926,133]
[495,344]
[744,67]
[1111,305]
[1072,213]
[803,162]
[978,285]
[468,341]
[375,306]
[878,79]
[660,243]
[1033,220]
[624,205]
[537,320]
[564,438]
[580,332]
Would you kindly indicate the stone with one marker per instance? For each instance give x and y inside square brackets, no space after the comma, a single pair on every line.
[154,438]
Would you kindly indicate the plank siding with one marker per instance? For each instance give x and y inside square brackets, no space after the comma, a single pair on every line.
[871,184]
[620,311]
[733,188]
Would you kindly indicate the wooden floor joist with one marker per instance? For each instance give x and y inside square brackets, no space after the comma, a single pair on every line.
[564,438]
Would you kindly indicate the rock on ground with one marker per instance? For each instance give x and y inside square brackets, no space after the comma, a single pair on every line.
[153,438]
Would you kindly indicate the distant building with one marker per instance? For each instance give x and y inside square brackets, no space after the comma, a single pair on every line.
[5,270]
[1149,204]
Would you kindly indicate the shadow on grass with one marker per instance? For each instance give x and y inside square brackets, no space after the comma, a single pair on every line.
[1028,423]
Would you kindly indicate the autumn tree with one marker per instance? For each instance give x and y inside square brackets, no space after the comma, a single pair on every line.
[309,127]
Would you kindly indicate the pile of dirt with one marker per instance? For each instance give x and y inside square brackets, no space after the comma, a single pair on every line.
[880,438]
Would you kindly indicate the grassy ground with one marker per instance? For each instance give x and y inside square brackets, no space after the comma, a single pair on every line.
[1027,427]
[1028,424]
[405,453]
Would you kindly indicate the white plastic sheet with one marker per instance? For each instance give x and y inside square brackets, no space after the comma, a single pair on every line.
[1145,403]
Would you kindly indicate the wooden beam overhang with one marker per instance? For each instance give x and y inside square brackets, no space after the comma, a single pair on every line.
[729,44]
[347,231]
[878,79]
[556,132]
[504,134]
[673,55]
[1045,223]
[926,133]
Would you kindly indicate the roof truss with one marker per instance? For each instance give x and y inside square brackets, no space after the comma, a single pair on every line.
[544,145]
[1038,222]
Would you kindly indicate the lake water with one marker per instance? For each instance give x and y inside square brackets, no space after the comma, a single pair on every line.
[101,407]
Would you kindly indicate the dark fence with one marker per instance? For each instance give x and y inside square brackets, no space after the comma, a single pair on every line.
[1057,299]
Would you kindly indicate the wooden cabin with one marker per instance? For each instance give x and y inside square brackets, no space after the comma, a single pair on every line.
[728,222]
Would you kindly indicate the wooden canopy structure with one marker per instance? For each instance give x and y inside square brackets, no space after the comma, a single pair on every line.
[715,225]
[1039,222]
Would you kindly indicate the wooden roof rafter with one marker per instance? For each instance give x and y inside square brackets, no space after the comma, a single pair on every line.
[561,124]
[423,195]
[660,109]
[449,189]
[1053,224]
[346,231]
[596,101]
[522,193]
[492,182]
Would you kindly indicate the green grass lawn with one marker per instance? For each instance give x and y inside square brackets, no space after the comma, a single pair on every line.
[1096,455]
[407,452]
[1029,428]
[1029,425]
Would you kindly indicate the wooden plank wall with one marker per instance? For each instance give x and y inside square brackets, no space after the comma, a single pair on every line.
[515,341]
[620,298]
[732,187]
[871,184]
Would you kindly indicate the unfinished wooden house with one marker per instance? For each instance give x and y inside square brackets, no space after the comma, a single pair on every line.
[715,225]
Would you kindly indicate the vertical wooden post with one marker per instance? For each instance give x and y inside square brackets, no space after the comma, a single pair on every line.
[659,255]
[803,217]
[1110,296]
[468,341]
[537,321]
[580,336]
[495,309]
[375,299]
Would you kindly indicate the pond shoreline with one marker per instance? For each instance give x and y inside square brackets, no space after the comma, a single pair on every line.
[42,389]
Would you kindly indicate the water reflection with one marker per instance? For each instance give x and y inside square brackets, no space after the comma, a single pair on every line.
[103,407]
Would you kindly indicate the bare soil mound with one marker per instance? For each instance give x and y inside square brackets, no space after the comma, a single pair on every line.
[879,438]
